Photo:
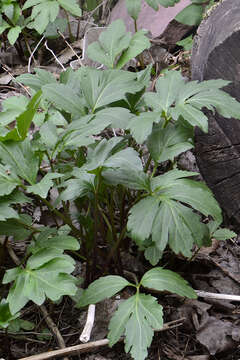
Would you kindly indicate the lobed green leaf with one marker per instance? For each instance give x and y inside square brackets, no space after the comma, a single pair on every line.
[161,279]
[101,289]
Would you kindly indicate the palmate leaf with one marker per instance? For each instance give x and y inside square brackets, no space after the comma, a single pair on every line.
[166,3]
[137,318]
[42,256]
[125,168]
[119,117]
[8,181]
[190,15]
[139,42]
[141,218]
[168,88]
[169,178]
[195,194]
[13,34]
[101,88]
[80,132]
[223,234]
[167,221]
[71,6]
[6,212]
[169,142]
[23,120]
[16,197]
[5,315]
[21,158]
[62,242]
[161,279]
[46,275]
[179,99]
[133,8]
[101,289]
[35,82]
[82,185]
[18,228]
[153,254]
[103,150]
[43,12]
[64,98]
[42,187]
[16,298]
[12,108]
[49,134]
[177,225]
[141,126]
[110,44]
[3,25]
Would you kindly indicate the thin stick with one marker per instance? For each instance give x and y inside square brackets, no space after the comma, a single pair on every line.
[71,350]
[13,78]
[83,348]
[205,294]
[70,46]
[86,333]
[33,52]
[52,326]
[55,57]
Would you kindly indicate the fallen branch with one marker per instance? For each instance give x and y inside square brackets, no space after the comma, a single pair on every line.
[83,348]
[53,327]
[86,333]
[205,294]
[71,350]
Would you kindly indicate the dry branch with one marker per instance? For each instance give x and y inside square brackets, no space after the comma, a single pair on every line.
[83,348]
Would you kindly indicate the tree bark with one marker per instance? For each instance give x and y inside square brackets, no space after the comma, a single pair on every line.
[216,55]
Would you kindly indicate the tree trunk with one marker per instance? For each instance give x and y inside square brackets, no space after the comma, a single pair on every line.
[216,55]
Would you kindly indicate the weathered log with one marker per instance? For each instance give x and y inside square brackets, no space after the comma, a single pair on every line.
[216,55]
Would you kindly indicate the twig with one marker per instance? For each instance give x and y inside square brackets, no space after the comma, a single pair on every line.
[13,78]
[53,327]
[55,57]
[83,348]
[12,254]
[86,333]
[71,350]
[205,294]
[33,52]
[70,46]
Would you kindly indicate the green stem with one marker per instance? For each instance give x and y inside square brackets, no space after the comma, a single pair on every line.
[135,25]
[69,26]
[154,169]
[111,213]
[139,57]
[117,244]
[66,219]
[148,164]
[49,160]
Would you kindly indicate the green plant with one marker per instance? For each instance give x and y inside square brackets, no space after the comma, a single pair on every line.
[18,24]
[108,187]
[190,15]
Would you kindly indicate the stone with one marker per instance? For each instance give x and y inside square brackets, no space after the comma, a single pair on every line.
[154,21]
